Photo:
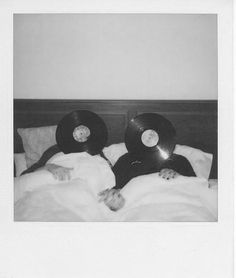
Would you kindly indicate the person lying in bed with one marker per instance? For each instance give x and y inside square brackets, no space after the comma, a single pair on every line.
[127,167]
[130,166]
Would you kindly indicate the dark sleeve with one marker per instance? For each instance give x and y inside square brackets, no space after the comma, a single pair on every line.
[103,156]
[128,167]
[43,160]
[180,164]
[122,171]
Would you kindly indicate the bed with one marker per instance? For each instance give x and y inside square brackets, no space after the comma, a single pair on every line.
[39,197]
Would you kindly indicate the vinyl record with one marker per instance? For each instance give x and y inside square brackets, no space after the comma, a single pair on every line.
[150,136]
[81,131]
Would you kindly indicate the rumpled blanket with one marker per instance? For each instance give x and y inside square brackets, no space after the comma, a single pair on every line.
[39,197]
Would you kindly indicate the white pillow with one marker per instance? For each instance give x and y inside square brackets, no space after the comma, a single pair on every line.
[114,152]
[36,141]
[199,160]
[20,163]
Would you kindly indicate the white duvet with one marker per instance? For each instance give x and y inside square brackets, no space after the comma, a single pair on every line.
[39,197]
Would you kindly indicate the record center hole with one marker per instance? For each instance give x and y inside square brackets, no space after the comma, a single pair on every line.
[81,133]
[150,138]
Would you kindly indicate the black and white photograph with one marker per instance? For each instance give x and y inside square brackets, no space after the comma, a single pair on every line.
[117,139]
[146,151]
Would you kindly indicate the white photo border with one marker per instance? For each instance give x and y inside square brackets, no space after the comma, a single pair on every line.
[119,249]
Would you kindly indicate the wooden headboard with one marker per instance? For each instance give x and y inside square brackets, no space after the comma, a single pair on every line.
[194,120]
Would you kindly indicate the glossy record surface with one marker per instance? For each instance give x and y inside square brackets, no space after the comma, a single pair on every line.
[67,129]
[155,123]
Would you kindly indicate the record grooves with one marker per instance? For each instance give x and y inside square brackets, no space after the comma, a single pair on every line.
[150,136]
[81,131]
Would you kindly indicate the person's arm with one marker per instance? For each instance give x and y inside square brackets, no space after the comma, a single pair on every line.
[43,160]
[112,197]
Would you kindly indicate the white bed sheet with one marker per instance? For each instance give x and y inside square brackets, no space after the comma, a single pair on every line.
[39,197]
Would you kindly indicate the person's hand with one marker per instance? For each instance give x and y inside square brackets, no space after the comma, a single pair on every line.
[59,172]
[112,198]
[168,174]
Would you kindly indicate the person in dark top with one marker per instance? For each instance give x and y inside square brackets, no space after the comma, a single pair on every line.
[59,172]
[127,167]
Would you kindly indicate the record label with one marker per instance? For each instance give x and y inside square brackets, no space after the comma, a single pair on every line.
[150,138]
[81,133]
